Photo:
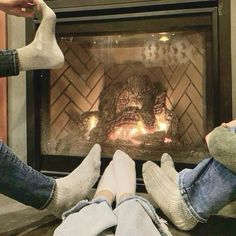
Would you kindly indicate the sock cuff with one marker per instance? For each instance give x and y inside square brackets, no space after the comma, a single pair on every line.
[55,205]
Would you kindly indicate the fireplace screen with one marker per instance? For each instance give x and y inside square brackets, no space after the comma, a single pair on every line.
[141,93]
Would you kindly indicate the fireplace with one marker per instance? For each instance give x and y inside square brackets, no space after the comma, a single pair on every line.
[143,77]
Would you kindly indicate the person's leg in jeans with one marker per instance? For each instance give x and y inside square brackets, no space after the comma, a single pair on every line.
[94,217]
[42,53]
[9,63]
[190,196]
[135,216]
[30,187]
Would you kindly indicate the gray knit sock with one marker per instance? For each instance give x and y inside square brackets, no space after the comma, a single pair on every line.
[167,195]
[168,167]
[75,187]
[43,52]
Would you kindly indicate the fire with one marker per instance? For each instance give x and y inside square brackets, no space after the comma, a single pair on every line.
[161,123]
[92,122]
[141,128]
[91,125]
[131,131]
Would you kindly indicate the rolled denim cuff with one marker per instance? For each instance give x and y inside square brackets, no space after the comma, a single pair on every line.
[9,63]
[184,193]
[83,203]
[160,223]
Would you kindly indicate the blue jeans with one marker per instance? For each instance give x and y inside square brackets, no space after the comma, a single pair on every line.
[207,188]
[9,63]
[22,183]
[133,216]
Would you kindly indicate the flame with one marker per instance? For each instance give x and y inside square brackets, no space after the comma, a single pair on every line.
[163,126]
[161,123]
[141,128]
[92,122]
[131,131]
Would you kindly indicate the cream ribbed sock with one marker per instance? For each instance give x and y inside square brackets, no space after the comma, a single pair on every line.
[125,175]
[167,195]
[75,187]
[107,184]
[43,52]
[168,167]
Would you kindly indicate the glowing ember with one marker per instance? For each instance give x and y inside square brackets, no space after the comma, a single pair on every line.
[167,140]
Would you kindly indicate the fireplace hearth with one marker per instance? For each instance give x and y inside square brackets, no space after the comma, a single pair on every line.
[143,77]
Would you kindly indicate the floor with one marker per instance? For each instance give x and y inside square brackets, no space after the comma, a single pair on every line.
[17,219]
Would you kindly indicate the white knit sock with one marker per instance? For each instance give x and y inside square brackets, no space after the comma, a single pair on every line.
[75,187]
[167,195]
[43,52]
[107,183]
[168,167]
[125,175]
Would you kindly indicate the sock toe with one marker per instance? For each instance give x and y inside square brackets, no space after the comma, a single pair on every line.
[166,158]
[95,153]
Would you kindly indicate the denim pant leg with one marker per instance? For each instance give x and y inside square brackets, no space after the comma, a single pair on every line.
[207,188]
[22,183]
[9,63]
[136,216]
[88,218]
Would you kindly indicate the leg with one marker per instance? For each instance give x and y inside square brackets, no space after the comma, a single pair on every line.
[166,194]
[135,216]
[95,217]
[28,186]
[106,186]
[43,52]
[75,187]
[22,183]
[207,188]
[133,219]
[9,64]
[195,195]
[125,176]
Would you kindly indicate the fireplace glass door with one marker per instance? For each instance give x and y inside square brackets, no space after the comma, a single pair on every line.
[142,93]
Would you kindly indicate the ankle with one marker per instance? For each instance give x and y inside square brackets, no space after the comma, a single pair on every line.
[108,195]
[124,196]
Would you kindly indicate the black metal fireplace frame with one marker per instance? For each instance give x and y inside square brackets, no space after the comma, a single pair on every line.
[213,14]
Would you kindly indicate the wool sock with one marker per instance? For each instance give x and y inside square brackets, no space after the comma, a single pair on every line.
[43,52]
[75,187]
[167,195]
[125,175]
[106,185]
[168,167]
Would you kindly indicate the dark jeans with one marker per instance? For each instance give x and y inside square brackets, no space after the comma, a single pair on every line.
[207,188]
[22,183]
[9,63]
